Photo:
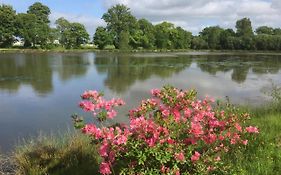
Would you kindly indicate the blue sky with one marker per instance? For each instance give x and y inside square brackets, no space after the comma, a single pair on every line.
[193,15]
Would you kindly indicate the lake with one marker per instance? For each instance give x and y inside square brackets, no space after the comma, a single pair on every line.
[40,91]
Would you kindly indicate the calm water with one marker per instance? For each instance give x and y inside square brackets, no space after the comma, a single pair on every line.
[39,92]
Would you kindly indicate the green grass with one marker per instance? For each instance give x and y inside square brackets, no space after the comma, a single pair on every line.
[71,154]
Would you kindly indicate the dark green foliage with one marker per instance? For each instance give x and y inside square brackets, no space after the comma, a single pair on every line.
[7,25]
[244,28]
[33,26]
[71,35]
[119,19]
[41,11]
[212,36]
[124,41]
[198,43]
[265,30]
[102,37]
[227,39]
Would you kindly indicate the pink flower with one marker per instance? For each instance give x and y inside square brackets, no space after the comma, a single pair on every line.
[165,113]
[218,158]
[238,127]
[245,142]
[90,94]
[177,115]
[252,129]
[103,150]
[177,172]
[87,106]
[196,129]
[155,92]
[195,156]
[179,156]
[111,114]
[105,168]
[122,139]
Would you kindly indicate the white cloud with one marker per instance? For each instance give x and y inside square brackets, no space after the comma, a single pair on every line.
[195,15]
[90,22]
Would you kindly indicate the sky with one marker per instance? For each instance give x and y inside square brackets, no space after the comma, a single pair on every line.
[192,15]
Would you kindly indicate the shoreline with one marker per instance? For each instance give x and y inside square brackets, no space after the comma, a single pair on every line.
[185,51]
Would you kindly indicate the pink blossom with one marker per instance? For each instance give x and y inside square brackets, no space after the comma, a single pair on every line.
[87,106]
[165,113]
[179,156]
[252,129]
[105,168]
[245,142]
[195,157]
[238,127]
[111,114]
[103,150]
[155,92]
[122,139]
[196,129]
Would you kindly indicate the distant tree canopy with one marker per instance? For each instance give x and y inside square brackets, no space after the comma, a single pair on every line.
[71,35]
[125,32]
[7,25]
[33,28]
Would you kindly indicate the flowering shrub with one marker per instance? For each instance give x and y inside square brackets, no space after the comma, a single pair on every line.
[171,133]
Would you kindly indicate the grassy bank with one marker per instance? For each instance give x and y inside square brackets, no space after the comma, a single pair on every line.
[73,154]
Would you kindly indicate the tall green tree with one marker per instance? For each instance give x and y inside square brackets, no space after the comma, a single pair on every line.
[124,41]
[212,36]
[72,35]
[244,28]
[33,27]
[226,39]
[181,39]
[119,19]
[27,28]
[102,37]
[162,35]
[7,25]
[41,11]
[148,30]
[246,34]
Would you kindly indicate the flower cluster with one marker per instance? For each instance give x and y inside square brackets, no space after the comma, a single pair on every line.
[94,102]
[171,133]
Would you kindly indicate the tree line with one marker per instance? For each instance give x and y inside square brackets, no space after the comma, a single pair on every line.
[125,32]
[33,28]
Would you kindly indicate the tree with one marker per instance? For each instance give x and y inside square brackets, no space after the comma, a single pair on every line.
[102,37]
[119,19]
[124,41]
[7,25]
[26,28]
[72,35]
[246,34]
[148,30]
[198,43]
[244,28]
[162,35]
[277,31]
[41,11]
[226,39]
[212,36]
[264,30]
[33,27]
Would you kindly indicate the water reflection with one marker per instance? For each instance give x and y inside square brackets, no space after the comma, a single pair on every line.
[18,69]
[123,71]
